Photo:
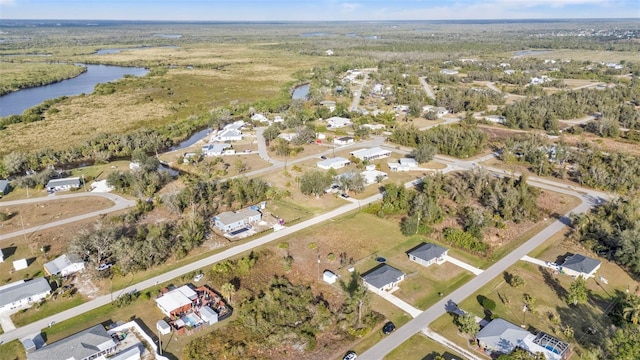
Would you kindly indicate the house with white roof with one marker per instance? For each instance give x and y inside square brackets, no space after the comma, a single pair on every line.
[63,184]
[214,149]
[229,135]
[336,122]
[287,136]
[496,119]
[370,154]
[177,301]
[372,176]
[344,140]
[448,72]
[229,221]
[374,126]
[329,52]
[64,265]
[22,293]
[278,119]
[260,118]
[333,163]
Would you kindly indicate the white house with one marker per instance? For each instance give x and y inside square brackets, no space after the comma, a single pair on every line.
[64,265]
[63,184]
[329,104]
[208,315]
[278,119]
[345,140]
[260,118]
[288,136]
[329,277]
[372,176]
[496,119]
[22,293]
[383,278]
[229,135]
[336,122]
[177,301]
[448,72]
[371,154]
[163,327]
[236,125]
[229,221]
[509,71]
[215,149]
[427,254]
[329,52]
[441,111]
[333,163]
[539,80]
[374,126]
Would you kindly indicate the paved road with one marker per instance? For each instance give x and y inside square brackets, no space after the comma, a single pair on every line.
[356,94]
[119,204]
[427,88]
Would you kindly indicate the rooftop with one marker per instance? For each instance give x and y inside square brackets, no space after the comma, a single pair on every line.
[502,335]
[581,263]
[58,264]
[382,275]
[427,252]
[23,290]
[230,217]
[78,346]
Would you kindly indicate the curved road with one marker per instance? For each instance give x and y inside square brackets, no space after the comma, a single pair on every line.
[120,203]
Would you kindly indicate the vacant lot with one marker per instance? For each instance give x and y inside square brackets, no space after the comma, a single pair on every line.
[420,347]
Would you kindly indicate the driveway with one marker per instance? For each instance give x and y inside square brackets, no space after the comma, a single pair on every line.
[463,265]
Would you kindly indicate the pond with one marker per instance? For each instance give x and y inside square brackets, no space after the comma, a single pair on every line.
[117,50]
[193,139]
[530,52]
[16,102]
[300,92]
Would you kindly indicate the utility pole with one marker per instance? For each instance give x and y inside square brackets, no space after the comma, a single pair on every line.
[318,264]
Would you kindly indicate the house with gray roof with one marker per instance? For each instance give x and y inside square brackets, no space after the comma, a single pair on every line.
[580,265]
[22,293]
[92,343]
[229,221]
[500,336]
[63,184]
[4,187]
[333,163]
[371,153]
[427,254]
[64,265]
[383,278]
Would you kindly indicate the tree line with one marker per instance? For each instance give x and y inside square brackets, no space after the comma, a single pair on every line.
[460,141]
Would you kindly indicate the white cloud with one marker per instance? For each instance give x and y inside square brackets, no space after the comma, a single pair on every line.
[349,7]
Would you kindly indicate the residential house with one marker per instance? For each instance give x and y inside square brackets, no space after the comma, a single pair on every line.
[236,125]
[427,254]
[63,184]
[615,66]
[333,163]
[329,104]
[336,122]
[329,277]
[370,154]
[64,265]
[163,327]
[441,111]
[404,164]
[287,136]
[383,278]
[372,176]
[374,126]
[502,337]
[259,118]
[278,119]
[214,149]
[4,187]
[92,343]
[344,140]
[509,71]
[229,221]
[229,135]
[177,301]
[496,119]
[539,80]
[580,265]
[22,293]
[1,256]
[329,52]
[448,72]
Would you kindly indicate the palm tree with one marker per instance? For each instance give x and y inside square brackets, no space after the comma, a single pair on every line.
[228,290]
[631,310]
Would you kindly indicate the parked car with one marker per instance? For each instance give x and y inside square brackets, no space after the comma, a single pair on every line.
[388,328]
[198,277]
[323,157]
[344,195]
[350,355]
[103,267]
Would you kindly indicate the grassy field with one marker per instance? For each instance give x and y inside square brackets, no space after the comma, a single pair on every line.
[420,347]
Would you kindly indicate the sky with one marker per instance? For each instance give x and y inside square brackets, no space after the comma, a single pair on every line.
[315,10]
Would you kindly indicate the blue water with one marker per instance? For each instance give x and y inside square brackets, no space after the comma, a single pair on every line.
[301,92]
[193,139]
[531,52]
[115,51]
[16,102]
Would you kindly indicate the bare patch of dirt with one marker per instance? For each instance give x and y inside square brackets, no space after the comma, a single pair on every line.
[85,286]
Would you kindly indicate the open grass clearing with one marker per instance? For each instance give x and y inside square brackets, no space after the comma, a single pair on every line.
[49,308]
[13,350]
[36,214]
[420,347]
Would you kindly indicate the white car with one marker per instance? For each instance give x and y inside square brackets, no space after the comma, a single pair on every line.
[198,277]
[103,267]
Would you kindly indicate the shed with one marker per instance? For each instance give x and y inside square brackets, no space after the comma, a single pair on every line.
[20,264]
[329,277]
[163,327]
[208,315]
[29,345]
[4,187]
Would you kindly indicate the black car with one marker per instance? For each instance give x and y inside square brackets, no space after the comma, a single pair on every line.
[388,328]
[323,157]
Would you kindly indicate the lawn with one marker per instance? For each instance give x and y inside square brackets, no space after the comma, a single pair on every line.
[50,307]
[13,350]
[420,347]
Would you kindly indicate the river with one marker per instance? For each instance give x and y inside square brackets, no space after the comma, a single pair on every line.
[16,102]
